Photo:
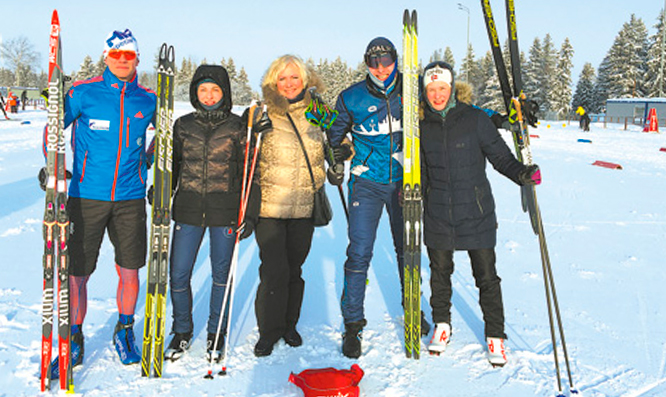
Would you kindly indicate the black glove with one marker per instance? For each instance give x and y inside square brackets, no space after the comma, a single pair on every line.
[342,153]
[530,109]
[151,194]
[499,120]
[246,228]
[336,174]
[261,123]
[530,175]
[43,177]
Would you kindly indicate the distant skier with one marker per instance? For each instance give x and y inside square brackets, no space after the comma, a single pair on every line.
[24,99]
[584,119]
[459,209]
[110,114]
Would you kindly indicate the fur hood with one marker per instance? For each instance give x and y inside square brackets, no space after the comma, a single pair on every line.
[280,105]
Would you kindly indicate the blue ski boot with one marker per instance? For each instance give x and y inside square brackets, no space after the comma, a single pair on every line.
[76,351]
[123,340]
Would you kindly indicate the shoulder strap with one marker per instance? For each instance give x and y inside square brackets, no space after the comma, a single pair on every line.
[300,140]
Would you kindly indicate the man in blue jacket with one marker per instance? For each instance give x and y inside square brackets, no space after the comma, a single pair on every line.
[109,115]
[371,111]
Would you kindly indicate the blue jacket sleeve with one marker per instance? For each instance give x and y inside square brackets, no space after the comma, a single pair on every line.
[342,124]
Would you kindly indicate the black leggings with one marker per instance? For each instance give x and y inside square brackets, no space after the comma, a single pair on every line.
[487,281]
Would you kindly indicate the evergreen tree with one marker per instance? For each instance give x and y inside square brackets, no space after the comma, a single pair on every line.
[437,55]
[87,69]
[100,66]
[628,56]
[448,57]
[655,78]
[470,70]
[602,85]
[490,93]
[241,90]
[560,92]
[584,95]
[546,67]
[183,79]
[531,74]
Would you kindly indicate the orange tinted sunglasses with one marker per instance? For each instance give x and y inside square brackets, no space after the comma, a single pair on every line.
[116,54]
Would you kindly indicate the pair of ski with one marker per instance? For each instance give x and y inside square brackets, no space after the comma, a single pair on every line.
[56,225]
[411,188]
[152,353]
[515,102]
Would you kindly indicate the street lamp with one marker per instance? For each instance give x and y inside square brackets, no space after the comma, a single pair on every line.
[466,9]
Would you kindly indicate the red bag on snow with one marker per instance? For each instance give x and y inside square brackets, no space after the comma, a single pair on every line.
[329,382]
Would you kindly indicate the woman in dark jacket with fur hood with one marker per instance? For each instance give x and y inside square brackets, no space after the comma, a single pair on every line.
[459,209]
[208,157]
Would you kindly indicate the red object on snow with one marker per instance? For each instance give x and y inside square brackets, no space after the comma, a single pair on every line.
[652,124]
[326,382]
[534,136]
[607,165]
[662,149]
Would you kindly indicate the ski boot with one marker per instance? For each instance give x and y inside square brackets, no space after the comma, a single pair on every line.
[178,346]
[214,353]
[440,339]
[123,340]
[496,352]
[351,339]
[76,351]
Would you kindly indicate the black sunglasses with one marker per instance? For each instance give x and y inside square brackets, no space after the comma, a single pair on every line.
[385,59]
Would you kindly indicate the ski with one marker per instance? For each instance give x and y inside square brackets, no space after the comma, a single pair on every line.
[3,105]
[152,354]
[412,207]
[56,224]
[518,109]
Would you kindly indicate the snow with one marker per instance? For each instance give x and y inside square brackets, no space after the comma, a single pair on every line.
[605,231]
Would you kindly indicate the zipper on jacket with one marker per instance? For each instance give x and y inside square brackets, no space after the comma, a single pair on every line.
[390,116]
[205,181]
[83,168]
[477,193]
[120,143]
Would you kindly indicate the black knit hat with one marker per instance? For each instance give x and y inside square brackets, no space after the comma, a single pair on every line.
[379,46]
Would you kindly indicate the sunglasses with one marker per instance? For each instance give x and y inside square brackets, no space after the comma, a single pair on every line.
[116,54]
[374,61]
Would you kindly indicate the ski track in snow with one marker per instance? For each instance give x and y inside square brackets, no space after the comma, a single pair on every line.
[605,231]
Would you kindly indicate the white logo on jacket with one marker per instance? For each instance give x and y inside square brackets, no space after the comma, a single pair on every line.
[99,125]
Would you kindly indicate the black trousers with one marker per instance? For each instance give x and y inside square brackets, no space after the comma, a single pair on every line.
[284,245]
[487,281]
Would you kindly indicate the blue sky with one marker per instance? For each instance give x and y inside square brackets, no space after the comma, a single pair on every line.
[255,32]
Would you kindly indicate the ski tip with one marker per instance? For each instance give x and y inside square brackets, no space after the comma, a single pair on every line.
[209,375]
[54,17]
[171,54]
[414,22]
[405,18]
[163,51]
[223,371]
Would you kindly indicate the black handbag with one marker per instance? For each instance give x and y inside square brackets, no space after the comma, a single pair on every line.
[322,213]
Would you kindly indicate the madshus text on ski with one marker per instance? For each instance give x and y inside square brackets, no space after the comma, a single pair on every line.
[233,176]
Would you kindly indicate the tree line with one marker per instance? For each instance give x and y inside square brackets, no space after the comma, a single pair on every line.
[631,68]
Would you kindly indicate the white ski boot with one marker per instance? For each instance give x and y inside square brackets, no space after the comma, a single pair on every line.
[440,339]
[496,352]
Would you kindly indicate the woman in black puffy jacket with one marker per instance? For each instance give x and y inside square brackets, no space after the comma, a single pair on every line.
[208,158]
[457,140]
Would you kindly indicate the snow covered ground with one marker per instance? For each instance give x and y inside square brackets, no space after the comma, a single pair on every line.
[605,231]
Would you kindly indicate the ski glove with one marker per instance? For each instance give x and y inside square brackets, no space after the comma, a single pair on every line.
[336,174]
[530,175]
[43,177]
[318,113]
[342,153]
[246,228]
[261,123]
[530,109]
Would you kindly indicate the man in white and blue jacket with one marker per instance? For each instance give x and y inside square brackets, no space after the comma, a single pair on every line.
[109,115]
[371,111]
